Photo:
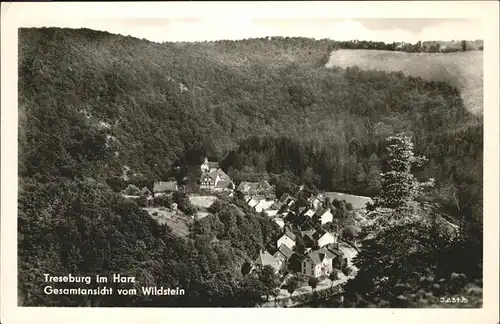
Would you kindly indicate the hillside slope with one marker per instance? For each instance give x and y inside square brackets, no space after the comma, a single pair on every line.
[91,102]
[463,70]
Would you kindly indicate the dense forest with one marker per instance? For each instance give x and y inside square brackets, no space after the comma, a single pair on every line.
[91,103]
[83,228]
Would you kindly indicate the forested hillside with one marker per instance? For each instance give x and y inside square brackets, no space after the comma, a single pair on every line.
[91,103]
[83,228]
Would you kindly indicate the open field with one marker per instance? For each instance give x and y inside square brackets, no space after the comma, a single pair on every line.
[201,214]
[461,69]
[202,201]
[178,223]
[357,202]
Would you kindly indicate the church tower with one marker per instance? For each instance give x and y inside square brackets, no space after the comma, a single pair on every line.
[205,167]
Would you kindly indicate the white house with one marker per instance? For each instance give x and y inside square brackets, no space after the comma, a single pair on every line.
[318,263]
[316,202]
[324,216]
[264,258]
[327,238]
[288,239]
[263,205]
[309,213]
[271,212]
[280,222]
[252,202]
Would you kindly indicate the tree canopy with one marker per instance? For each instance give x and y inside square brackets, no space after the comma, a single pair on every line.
[408,258]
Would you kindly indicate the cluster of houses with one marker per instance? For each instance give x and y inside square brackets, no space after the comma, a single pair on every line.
[320,246]
[213,179]
[321,250]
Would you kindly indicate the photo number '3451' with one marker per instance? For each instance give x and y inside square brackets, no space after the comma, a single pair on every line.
[453,300]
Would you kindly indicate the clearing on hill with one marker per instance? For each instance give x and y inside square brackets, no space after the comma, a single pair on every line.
[357,202]
[463,70]
[202,201]
[179,223]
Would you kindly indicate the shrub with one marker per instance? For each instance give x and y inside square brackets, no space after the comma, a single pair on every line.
[350,233]
[132,190]
[313,282]
[164,201]
[142,201]
[348,271]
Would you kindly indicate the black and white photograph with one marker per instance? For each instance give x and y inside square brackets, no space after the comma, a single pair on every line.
[246,161]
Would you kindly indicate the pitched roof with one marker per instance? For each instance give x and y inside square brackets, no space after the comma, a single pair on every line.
[244,186]
[318,234]
[285,250]
[327,234]
[309,234]
[320,198]
[289,228]
[145,190]
[306,224]
[318,256]
[213,165]
[337,252]
[309,212]
[220,172]
[315,257]
[283,208]
[290,216]
[288,232]
[264,185]
[326,252]
[286,198]
[334,248]
[252,202]
[264,258]
[280,222]
[271,212]
[254,187]
[223,184]
[300,220]
[162,186]
[278,255]
[320,211]
[264,205]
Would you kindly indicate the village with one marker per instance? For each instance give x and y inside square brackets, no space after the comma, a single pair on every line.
[311,248]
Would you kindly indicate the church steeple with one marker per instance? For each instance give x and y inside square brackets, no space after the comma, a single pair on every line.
[205,167]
